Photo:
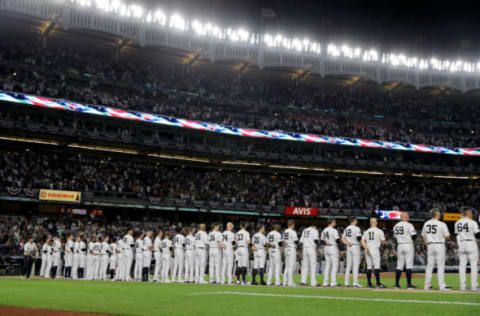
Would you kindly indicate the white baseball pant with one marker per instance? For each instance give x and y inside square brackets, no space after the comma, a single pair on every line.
[43,267]
[158,264]
[227,265]
[331,266]
[242,257]
[127,265]
[104,261]
[353,264]
[290,260]
[436,256]
[372,258]
[200,262]
[179,261]
[137,270]
[309,263]
[406,254]
[75,266]
[166,261]
[275,266]
[189,265]
[468,251]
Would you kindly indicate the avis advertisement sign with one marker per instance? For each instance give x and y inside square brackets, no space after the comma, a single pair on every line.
[301,211]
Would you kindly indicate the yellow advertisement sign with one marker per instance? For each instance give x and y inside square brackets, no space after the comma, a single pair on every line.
[60,196]
[451,217]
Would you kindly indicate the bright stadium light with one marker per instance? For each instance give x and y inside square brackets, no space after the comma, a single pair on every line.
[177,22]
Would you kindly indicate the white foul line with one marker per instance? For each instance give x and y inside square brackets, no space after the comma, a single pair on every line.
[382,300]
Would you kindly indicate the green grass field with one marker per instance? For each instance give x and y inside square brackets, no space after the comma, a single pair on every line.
[190,299]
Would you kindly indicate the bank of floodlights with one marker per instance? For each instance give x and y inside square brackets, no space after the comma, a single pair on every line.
[241,35]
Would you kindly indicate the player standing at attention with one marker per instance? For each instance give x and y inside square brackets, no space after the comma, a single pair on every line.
[404,233]
[330,239]
[43,267]
[309,240]
[68,257]
[466,231]
[434,234]
[179,256]
[373,238]
[228,256]
[167,248]
[138,268]
[351,238]
[215,243]
[147,255]
[76,252]
[113,259]
[157,254]
[105,253]
[56,249]
[120,261]
[290,240]
[97,247]
[259,255]
[48,260]
[275,243]
[201,242]
[81,258]
[242,239]
[128,246]
[190,256]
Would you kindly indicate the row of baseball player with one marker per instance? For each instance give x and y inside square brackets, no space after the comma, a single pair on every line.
[103,260]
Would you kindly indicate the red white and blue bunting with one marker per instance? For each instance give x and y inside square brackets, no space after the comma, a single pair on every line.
[217,128]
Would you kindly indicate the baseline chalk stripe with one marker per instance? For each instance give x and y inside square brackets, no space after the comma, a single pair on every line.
[340,298]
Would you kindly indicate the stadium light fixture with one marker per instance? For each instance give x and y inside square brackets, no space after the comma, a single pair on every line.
[176,21]
[241,163]
[29,140]
[103,148]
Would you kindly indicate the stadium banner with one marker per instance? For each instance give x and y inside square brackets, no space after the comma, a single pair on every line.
[60,196]
[451,217]
[301,211]
[60,104]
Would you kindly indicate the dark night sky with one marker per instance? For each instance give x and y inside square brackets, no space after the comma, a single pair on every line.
[422,27]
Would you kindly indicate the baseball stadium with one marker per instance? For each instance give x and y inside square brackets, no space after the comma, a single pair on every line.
[255,157]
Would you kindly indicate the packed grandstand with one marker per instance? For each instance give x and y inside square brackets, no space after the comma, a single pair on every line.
[169,176]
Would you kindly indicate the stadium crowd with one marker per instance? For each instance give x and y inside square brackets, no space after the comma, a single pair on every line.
[83,75]
[66,171]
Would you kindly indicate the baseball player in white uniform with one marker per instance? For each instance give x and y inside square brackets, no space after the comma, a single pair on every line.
[372,239]
[275,243]
[190,256]
[434,234]
[167,248]
[467,231]
[97,248]
[82,258]
[351,238]
[49,259]
[215,245]
[113,259]
[290,240]
[56,255]
[157,254]
[228,254]
[309,241]
[128,246]
[45,250]
[69,251]
[138,268]
[147,255]
[105,252]
[179,259]
[242,239]
[404,234]
[259,255]
[201,242]
[120,261]
[330,240]
[76,252]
